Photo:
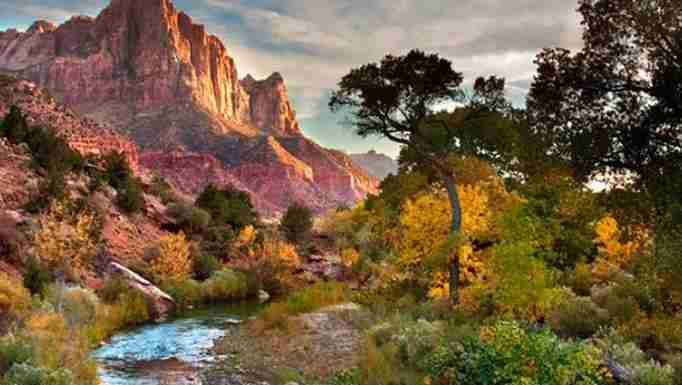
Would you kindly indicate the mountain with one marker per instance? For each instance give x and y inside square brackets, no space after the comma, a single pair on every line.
[376,164]
[148,71]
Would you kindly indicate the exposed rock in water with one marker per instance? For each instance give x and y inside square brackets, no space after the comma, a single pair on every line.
[159,302]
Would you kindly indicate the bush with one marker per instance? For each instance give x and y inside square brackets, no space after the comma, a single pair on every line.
[130,197]
[225,285]
[13,351]
[228,206]
[191,220]
[79,307]
[578,317]
[186,293]
[305,300]
[14,298]
[506,354]
[24,374]
[171,259]
[296,222]
[36,276]
[112,290]
[11,238]
[204,266]
[642,369]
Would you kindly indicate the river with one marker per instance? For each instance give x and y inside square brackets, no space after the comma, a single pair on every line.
[169,353]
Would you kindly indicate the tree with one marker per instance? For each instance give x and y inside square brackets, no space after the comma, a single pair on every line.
[396,99]
[616,105]
[296,222]
[228,206]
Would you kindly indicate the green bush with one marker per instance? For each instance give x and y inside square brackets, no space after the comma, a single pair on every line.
[296,222]
[13,351]
[36,276]
[133,307]
[506,354]
[225,285]
[130,197]
[186,293]
[24,374]
[204,266]
[191,220]
[228,206]
[578,317]
[112,290]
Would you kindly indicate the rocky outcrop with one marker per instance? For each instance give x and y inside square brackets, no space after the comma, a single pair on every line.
[159,302]
[376,164]
[147,70]
[271,110]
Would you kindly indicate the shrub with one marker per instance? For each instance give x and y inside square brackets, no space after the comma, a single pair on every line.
[112,290]
[578,317]
[163,190]
[36,276]
[296,222]
[11,238]
[204,266]
[225,285]
[642,369]
[67,241]
[133,308]
[305,300]
[228,206]
[130,197]
[273,261]
[79,307]
[24,374]
[14,298]
[417,339]
[171,258]
[191,220]
[50,188]
[506,354]
[13,351]
[186,293]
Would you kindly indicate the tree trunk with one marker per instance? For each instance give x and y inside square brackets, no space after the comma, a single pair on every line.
[455,226]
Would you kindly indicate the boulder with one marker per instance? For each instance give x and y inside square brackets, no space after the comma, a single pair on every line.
[159,302]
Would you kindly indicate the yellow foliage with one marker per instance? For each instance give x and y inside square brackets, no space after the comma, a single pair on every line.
[65,241]
[57,346]
[612,251]
[14,298]
[425,227]
[246,236]
[173,260]
[349,257]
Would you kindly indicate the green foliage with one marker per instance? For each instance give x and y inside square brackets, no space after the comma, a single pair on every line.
[13,351]
[163,190]
[203,266]
[23,374]
[191,220]
[228,206]
[225,285]
[296,222]
[506,354]
[305,300]
[119,175]
[578,317]
[36,276]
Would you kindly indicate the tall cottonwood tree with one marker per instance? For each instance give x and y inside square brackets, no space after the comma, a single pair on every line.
[397,99]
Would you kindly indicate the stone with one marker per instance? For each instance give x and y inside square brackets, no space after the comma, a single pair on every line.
[263,296]
[160,303]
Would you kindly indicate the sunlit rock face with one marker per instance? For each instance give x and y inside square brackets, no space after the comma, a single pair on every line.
[147,70]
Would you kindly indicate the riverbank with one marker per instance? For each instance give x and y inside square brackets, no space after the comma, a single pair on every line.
[312,348]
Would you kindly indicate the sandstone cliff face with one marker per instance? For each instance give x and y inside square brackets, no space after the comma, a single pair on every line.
[147,70]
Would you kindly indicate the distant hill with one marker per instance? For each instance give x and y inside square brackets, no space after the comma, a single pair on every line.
[376,164]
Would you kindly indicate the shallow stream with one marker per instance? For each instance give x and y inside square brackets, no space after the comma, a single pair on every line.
[169,353]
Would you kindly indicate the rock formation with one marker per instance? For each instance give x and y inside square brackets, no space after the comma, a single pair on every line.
[149,71]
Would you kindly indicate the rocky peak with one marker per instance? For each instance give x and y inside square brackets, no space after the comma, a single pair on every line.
[41,26]
[271,110]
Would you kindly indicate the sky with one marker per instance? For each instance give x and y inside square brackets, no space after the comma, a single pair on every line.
[313,43]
